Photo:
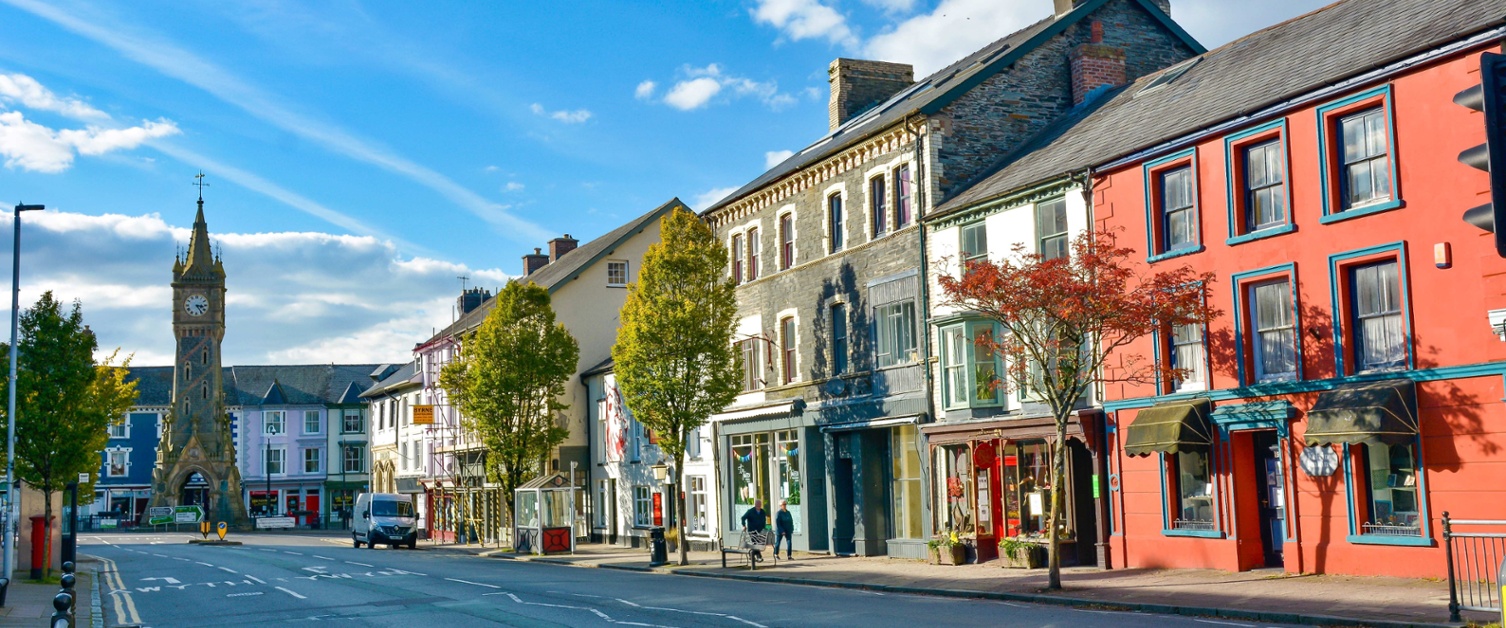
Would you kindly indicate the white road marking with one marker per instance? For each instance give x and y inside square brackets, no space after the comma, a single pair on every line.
[258,580]
[204,563]
[267,550]
[351,562]
[679,610]
[243,594]
[479,584]
[1014,605]
[228,569]
[1224,623]
[182,559]
[604,617]
[292,593]
[321,557]
[293,553]
[167,580]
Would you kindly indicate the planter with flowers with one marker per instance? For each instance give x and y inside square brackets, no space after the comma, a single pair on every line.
[947,549]
[1022,552]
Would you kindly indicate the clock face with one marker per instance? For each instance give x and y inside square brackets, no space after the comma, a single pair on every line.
[196,305]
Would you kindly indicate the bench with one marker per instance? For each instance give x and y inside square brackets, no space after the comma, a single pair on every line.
[749,543]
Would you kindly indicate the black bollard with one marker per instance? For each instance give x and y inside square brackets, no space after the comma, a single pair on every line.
[61,619]
[68,581]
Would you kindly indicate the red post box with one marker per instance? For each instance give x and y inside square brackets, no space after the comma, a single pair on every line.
[38,545]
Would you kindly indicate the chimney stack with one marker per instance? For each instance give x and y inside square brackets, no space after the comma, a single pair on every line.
[472,299]
[533,262]
[558,247]
[857,85]
[1064,7]
[1095,65]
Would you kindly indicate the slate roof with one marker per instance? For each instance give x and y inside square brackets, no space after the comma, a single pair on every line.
[1265,68]
[303,384]
[154,385]
[559,272]
[936,91]
[404,374]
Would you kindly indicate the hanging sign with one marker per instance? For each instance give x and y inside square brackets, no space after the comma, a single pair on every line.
[423,414]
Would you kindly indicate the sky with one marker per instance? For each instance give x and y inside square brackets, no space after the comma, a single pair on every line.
[365,160]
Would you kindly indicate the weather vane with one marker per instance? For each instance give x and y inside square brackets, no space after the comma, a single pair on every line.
[199,181]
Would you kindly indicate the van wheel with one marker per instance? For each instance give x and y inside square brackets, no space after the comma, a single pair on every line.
[413,544]
[370,545]
[355,540]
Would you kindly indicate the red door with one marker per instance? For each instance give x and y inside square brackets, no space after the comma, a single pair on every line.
[311,503]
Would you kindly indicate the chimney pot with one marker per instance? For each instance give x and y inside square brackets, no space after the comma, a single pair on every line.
[533,262]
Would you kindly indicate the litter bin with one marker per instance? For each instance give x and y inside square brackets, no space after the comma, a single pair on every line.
[659,555]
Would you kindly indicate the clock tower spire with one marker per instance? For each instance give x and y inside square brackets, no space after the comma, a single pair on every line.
[196,456]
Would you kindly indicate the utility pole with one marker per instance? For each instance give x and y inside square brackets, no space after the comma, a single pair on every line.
[12,486]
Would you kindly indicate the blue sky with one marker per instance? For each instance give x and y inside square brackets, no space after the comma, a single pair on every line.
[362,156]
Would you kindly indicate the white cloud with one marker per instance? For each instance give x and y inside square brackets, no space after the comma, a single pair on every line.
[775,157]
[805,19]
[295,297]
[645,90]
[702,84]
[29,93]
[709,197]
[892,6]
[34,147]
[568,117]
[692,94]
[954,29]
[512,186]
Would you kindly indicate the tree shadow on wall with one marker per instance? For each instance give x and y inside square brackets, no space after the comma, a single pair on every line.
[856,378]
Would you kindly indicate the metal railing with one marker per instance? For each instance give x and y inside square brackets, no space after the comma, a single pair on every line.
[1193,524]
[1473,558]
[1387,529]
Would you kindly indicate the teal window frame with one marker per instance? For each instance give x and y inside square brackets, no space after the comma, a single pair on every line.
[969,366]
[1330,146]
[1425,528]
[1242,283]
[1155,233]
[1234,153]
[1339,265]
[1167,469]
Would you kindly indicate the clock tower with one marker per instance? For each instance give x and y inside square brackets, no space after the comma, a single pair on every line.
[196,456]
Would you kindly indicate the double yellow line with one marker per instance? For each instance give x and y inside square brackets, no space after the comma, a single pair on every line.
[125,607]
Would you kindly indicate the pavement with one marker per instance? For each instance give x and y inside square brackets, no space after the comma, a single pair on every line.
[30,604]
[1266,595]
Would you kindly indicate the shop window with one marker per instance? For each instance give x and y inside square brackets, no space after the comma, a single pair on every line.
[1356,142]
[787,448]
[643,506]
[1190,478]
[956,487]
[1027,490]
[1385,490]
[750,473]
[896,333]
[905,495]
[1051,228]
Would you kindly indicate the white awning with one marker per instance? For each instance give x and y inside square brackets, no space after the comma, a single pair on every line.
[792,406]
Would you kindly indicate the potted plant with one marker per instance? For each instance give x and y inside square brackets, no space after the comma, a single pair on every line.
[947,549]
[1021,552]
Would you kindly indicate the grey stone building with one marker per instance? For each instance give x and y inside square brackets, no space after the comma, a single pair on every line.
[830,259]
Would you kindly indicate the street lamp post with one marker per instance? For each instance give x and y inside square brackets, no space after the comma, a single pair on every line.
[12,489]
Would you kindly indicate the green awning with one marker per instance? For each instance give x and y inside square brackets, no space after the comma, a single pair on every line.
[1372,412]
[1169,428]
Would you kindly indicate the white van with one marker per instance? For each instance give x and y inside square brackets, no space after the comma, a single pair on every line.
[384,518]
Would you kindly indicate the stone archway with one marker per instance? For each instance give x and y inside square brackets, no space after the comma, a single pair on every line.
[194,486]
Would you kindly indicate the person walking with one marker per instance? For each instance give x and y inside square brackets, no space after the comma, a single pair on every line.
[755,521]
[784,530]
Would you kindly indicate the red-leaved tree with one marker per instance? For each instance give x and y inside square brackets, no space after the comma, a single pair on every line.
[1063,318]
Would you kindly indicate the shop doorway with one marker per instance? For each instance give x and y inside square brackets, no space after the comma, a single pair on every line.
[842,530]
[1271,491]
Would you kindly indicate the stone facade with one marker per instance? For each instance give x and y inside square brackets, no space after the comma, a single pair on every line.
[1011,106]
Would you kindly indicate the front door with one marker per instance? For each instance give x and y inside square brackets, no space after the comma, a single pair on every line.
[311,504]
[842,530]
[1271,491]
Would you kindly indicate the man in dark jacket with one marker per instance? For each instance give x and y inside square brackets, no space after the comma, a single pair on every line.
[784,530]
[755,521]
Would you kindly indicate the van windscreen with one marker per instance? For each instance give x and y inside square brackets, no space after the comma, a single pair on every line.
[391,509]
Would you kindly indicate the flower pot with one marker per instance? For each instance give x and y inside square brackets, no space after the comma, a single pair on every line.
[1022,556]
[954,555]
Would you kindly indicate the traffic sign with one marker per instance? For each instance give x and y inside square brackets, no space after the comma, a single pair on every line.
[83,478]
[204,528]
[187,514]
[221,528]
[159,515]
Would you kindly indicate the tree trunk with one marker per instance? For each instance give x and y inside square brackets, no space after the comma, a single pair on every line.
[1058,503]
[679,506]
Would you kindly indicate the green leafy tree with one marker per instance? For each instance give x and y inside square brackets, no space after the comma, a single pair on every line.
[64,401]
[507,382]
[674,360]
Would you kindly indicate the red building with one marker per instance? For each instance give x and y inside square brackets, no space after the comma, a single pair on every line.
[1350,392]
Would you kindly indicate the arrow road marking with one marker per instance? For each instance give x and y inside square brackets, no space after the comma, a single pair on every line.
[604,617]
[167,580]
[678,610]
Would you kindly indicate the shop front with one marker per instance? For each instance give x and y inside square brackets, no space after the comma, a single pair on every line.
[770,459]
[877,505]
[994,481]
